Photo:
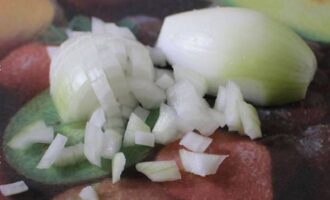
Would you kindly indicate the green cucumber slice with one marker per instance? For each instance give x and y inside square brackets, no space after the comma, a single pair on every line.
[310,18]
[25,161]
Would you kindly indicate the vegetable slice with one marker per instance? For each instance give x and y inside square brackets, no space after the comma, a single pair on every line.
[201,164]
[147,93]
[141,113]
[232,115]
[271,64]
[195,142]
[13,188]
[37,132]
[159,171]
[134,124]
[53,152]
[312,26]
[164,82]
[88,193]
[25,161]
[144,138]
[118,166]
[166,127]
[112,141]
[250,120]
[93,141]
[70,155]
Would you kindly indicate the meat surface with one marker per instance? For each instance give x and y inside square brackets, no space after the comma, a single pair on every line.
[245,174]
[132,189]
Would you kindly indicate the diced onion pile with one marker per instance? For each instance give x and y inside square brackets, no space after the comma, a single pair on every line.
[107,78]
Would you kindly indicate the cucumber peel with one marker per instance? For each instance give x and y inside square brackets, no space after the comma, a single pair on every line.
[25,161]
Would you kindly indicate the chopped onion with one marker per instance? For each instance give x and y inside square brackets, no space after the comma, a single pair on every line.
[105,95]
[88,193]
[115,122]
[98,118]
[201,164]
[141,113]
[220,101]
[134,124]
[161,72]
[37,132]
[157,56]
[52,51]
[140,61]
[97,25]
[53,152]
[126,111]
[233,98]
[147,93]
[219,117]
[191,108]
[270,62]
[195,142]
[166,127]
[159,171]
[144,138]
[118,166]
[114,30]
[70,155]
[13,188]
[250,120]
[112,142]
[92,70]
[72,34]
[93,141]
[187,74]
[164,82]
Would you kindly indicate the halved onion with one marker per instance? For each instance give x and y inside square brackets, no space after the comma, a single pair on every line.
[270,62]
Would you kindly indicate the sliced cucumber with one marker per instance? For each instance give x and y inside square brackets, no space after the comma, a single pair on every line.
[307,17]
[25,161]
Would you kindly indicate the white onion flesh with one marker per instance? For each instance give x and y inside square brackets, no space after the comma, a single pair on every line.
[144,138]
[220,101]
[134,124]
[88,193]
[13,188]
[159,171]
[52,51]
[195,142]
[191,108]
[201,164]
[250,120]
[118,166]
[93,141]
[187,74]
[98,118]
[157,56]
[147,93]
[166,127]
[126,111]
[53,152]
[270,62]
[70,155]
[165,82]
[112,141]
[142,113]
[38,132]
[233,98]
[160,72]
[97,25]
